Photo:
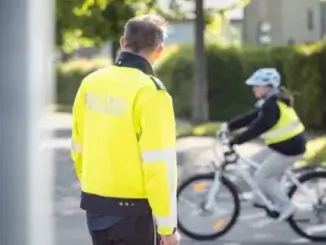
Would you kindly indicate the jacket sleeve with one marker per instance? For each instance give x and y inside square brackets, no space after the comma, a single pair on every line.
[243,120]
[268,116]
[77,131]
[157,144]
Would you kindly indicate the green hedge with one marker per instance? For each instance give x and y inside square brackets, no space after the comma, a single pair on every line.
[303,69]
[71,73]
[69,76]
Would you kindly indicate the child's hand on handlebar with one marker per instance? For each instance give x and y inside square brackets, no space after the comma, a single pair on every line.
[224,127]
[223,130]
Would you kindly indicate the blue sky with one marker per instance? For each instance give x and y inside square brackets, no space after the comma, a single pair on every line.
[235,14]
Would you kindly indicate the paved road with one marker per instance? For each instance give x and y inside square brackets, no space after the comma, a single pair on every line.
[253,229]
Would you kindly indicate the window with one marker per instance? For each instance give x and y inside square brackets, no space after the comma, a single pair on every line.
[310,20]
[291,41]
[264,33]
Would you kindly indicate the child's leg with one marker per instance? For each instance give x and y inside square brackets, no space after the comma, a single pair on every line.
[259,158]
[268,177]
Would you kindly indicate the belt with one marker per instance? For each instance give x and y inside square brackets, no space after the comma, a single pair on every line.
[114,206]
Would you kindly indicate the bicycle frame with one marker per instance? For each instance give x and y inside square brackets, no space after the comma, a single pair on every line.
[242,163]
[249,179]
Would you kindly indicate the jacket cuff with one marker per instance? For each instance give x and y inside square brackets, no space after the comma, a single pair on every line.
[165,231]
[235,141]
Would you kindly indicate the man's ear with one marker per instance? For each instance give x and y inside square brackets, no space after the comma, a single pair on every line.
[122,43]
[159,51]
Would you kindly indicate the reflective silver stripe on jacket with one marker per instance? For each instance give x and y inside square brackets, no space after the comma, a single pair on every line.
[281,131]
[168,156]
[76,147]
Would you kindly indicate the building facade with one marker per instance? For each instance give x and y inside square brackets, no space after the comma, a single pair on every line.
[281,22]
[183,31]
[323,18]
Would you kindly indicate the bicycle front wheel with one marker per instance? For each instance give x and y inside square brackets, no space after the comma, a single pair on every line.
[310,219]
[198,223]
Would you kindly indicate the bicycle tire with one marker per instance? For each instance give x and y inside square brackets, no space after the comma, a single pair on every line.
[236,201]
[292,223]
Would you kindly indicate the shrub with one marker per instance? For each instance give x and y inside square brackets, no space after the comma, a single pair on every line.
[70,75]
[177,73]
[303,70]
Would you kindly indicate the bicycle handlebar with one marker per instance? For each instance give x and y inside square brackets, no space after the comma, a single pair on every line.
[230,155]
[225,138]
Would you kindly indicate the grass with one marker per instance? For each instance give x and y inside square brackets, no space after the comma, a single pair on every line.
[316,153]
[207,129]
[316,147]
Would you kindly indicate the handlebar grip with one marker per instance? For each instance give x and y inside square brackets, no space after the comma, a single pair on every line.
[224,135]
[231,156]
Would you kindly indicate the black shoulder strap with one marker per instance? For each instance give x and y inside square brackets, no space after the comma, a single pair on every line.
[159,85]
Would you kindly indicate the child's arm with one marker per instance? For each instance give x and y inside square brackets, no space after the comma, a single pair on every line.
[268,116]
[243,120]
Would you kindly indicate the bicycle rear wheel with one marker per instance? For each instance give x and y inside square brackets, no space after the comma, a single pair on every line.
[310,212]
[206,225]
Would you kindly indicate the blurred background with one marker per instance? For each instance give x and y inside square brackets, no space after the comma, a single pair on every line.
[212,47]
[239,37]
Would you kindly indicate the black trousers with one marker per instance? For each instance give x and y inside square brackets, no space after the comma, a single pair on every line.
[129,231]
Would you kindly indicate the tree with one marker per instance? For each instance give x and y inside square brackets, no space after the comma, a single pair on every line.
[174,5]
[225,21]
[199,112]
[115,14]
[67,24]
[94,22]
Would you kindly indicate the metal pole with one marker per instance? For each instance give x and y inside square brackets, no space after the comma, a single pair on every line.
[25,76]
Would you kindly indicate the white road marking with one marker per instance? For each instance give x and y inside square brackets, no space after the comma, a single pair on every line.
[252,216]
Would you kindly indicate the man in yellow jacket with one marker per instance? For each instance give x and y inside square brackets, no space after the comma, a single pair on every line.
[123,144]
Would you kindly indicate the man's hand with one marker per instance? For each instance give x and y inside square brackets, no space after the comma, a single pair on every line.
[173,239]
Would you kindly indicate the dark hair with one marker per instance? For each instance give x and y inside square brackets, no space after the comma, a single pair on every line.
[145,33]
[284,92]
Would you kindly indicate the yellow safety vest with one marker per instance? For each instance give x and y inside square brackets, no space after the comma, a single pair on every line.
[123,144]
[288,126]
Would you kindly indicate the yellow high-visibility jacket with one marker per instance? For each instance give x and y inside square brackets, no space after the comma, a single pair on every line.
[288,126]
[123,144]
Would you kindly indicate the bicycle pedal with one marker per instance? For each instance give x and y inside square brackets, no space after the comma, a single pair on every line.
[272,214]
[257,205]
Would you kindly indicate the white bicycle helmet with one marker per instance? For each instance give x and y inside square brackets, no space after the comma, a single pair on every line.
[265,77]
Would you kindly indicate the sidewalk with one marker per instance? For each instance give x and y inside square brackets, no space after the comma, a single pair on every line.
[56,120]
[188,147]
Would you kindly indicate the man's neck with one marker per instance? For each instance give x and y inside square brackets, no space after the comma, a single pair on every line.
[141,54]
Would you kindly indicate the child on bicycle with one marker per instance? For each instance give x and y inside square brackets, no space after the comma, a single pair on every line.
[277,123]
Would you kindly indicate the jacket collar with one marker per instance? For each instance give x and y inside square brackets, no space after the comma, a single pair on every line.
[127,59]
[272,94]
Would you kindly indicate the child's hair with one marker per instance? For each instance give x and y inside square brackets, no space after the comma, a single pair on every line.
[286,93]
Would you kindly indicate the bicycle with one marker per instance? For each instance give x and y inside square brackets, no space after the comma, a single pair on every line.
[219,178]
